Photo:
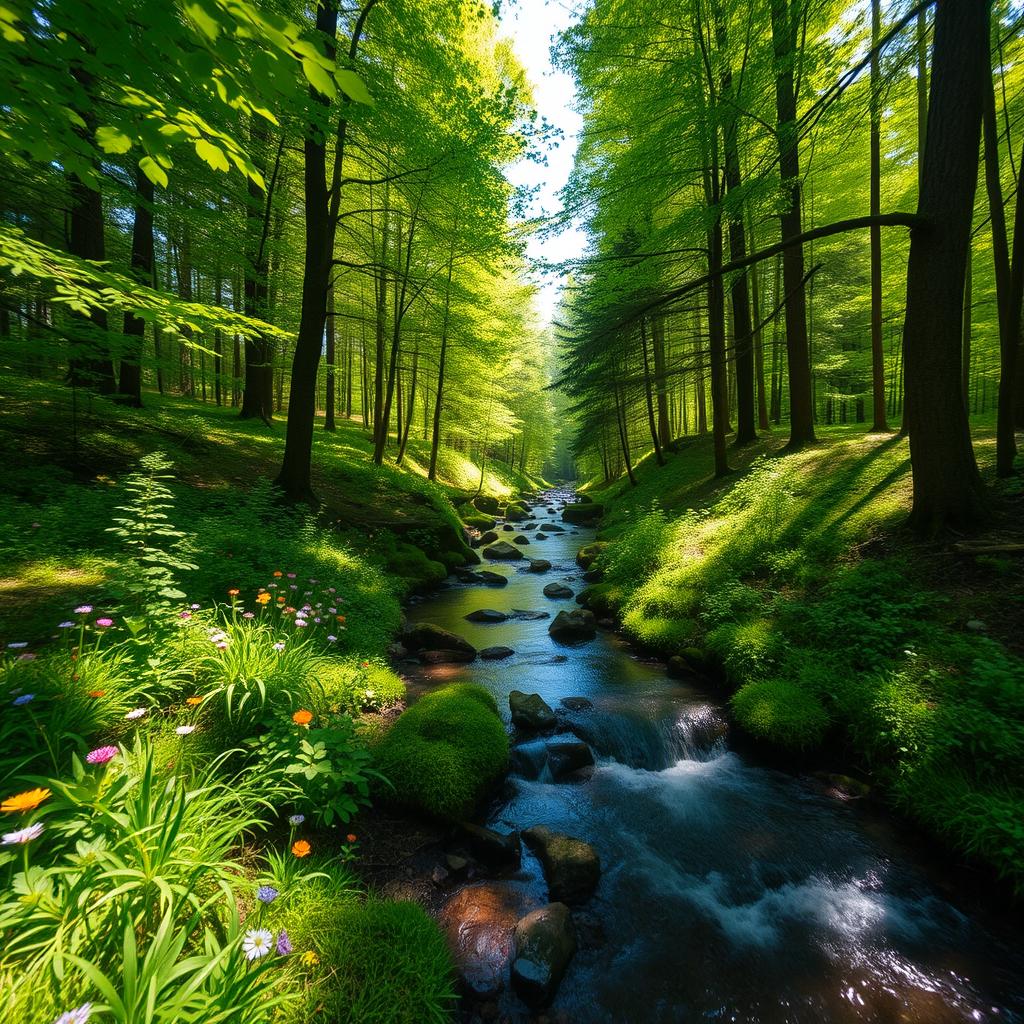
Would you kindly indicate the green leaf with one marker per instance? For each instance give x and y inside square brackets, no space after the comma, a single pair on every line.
[203,21]
[319,78]
[111,140]
[353,86]
[152,170]
[212,154]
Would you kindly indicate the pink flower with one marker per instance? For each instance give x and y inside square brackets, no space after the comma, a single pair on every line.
[101,755]
[184,615]
[103,623]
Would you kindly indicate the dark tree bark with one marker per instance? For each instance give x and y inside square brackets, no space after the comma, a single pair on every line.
[649,395]
[785,23]
[130,384]
[329,392]
[947,486]
[435,442]
[879,422]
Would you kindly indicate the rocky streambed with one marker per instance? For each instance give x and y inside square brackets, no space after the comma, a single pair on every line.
[635,868]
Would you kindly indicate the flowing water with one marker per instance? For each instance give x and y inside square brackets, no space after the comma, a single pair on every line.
[730,891]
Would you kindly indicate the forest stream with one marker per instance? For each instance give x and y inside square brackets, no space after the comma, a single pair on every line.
[730,891]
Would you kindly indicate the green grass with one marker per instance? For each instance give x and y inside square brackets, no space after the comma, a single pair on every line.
[794,579]
[445,752]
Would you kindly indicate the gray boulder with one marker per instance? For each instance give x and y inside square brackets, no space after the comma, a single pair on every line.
[572,867]
[496,653]
[502,551]
[531,712]
[574,626]
[544,942]
[486,615]
[492,579]
[539,565]
[557,590]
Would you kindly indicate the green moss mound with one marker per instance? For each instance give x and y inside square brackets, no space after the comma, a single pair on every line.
[444,753]
[353,686]
[379,961]
[782,713]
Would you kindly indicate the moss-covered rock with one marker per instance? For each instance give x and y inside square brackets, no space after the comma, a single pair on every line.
[588,554]
[585,512]
[783,713]
[445,752]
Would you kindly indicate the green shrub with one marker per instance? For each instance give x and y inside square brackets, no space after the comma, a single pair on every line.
[782,713]
[665,635]
[443,754]
[351,686]
[381,962]
[637,554]
[746,650]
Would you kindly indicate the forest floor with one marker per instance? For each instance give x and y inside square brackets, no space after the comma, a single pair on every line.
[840,637]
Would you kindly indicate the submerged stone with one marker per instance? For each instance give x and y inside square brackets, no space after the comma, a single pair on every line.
[571,866]
[544,942]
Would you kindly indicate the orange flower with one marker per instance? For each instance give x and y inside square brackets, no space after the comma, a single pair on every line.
[301,848]
[27,801]
[280,600]
[302,717]
[97,693]
[193,701]
[278,573]
[340,618]
[351,837]
[233,592]
[262,598]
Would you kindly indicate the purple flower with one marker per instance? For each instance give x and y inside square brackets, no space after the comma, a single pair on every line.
[101,755]
[267,894]
[104,623]
[83,609]
[25,698]
[222,646]
[291,575]
[296,819]
[66,625]
[284,946]
[77,1016]
[333,610]
[331,638]
[17,645]
[23,835]
[185,615]
[194,607]
[301,622]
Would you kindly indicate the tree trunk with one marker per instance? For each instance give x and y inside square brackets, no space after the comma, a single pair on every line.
[661,380]
[648,394]
[329,395]
[947,486]
[801,408]
[879,422]
[142,269]
[438,397]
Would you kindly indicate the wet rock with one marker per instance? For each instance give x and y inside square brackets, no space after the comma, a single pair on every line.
[446,657]
[531,712]
[508,528]
[520,540]
[539,565]
[557,590]
[485,503]
[587,554]
[486,615]
[585,512]
[544,942]
[493,849]
[607,623]
[517,515]
[575,703]
[425,636]
[529,526]
[573,626]
[502,551]
[496,653]
[571,866]
[439,875]
[540,536]
[844,786]
[456,865]
[593,575]
[479,923]
[566,757]
[491,578]
[679,668]
[489,537]
[554,528]
[527,615]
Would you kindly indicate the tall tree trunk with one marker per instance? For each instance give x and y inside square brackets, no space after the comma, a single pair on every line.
[947,486]
[329,396]
[755,298]
[435,442]
[142,269]
[879,422]
[785,23]
[411,407]
[620,419]
[649,395]
[661,380]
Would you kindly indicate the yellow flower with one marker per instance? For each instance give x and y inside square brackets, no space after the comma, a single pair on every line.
[193,701]
[310,959]
[27,801]
[262,598]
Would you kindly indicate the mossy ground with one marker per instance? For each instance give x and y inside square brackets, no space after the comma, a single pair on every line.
[445,752]
[832,626]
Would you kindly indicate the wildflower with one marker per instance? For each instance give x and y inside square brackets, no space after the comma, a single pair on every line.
[340,618]
[330,590]
[267,894]
[96,694]
[284,946]
[222,645]
[301,622]
[83,609]
[351,837]
[27,801]
[370,694]
[135,713]
[366,664]
[25,698]
[262,598]
[66,625]
[104,623]
[310,959]
[301,848]
[247,615]
[333,610]
[296,819]
[79,1015]
[185,615]
[184,730]
[302,717]
[280,599]
[291,586]
[331,638]
[256,943]
[193,701]
[17,645]
[291,575]
[101,755]
[278,574]
[218,635]
[279,646]
[233,592]
[23,835]
[317,619]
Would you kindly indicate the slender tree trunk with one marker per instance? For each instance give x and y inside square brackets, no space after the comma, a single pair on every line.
[329,396]
[947,486]
[755,298]
[879,422]
[785,22]
[442,357]
[411,409]
[142,269]
[620,419]
[648,394]
[661,380]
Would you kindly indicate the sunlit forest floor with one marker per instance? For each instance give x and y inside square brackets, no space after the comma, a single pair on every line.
[840,638]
